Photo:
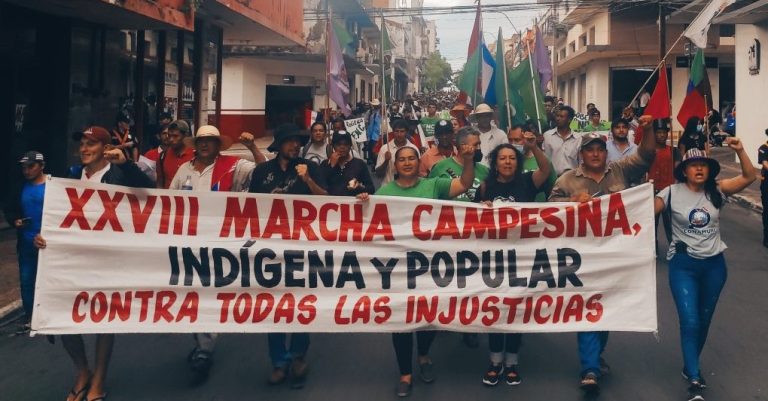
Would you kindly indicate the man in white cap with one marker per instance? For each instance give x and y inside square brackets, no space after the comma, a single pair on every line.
[490,136]
[209,170]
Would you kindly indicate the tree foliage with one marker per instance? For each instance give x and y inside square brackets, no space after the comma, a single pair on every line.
[437,72]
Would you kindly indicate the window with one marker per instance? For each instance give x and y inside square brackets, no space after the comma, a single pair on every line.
[572,47]
[583,40]
[592,40]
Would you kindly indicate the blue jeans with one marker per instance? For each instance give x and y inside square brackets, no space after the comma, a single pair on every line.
[281,355]
[591,346]
[27,273]
[696,286]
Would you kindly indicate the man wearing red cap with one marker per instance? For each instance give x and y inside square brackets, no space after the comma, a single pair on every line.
[100,163]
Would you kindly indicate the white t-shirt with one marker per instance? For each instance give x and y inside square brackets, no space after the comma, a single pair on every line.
[97,176]
[489,141]
[315,153]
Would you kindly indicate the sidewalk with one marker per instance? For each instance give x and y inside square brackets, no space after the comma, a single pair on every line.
[9,275]
[729,166]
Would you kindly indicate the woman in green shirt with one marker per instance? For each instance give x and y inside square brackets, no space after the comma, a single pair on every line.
[408,183]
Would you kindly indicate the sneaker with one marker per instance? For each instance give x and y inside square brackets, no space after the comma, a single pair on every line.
[491,377]
[695,391]
[425,372]
[298,375]
[277,376]
[605,369]
[471,340]
[589,383]
[702,382]
[403,389]
[512,378]
[200,363]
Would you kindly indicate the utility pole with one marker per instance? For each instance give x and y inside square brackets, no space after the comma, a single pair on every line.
[662,32]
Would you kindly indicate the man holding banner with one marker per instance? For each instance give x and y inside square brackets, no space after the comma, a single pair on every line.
[593,178]
[287,173]
[109,166]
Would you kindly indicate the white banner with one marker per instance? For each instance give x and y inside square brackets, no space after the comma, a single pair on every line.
[128,260]
[356,128]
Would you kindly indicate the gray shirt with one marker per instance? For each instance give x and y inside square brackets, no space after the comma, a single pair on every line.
[614,153]
[695,221]
[564,153]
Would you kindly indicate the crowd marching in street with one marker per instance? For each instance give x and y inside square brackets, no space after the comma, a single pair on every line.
[434,148]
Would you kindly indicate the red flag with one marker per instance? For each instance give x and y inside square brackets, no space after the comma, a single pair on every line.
[699,97]
[474,42]
[658,106]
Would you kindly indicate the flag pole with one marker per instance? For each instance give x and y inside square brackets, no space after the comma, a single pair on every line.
[706,126]
[506,86]
[479,79]
[327,112]
[663,59]
[382,85]
[533,84]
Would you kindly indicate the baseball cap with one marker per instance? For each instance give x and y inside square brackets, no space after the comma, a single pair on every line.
[590,138]
[95,133]
[32,157]
[180,125]
[443,127]
[341,137]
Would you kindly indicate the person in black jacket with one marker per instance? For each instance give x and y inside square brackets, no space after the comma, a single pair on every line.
[100,163]
[343,174]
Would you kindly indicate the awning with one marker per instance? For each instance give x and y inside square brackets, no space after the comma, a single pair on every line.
[265,23]
[127,14]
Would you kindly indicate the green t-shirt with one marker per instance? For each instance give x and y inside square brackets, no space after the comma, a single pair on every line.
[429,188]
[604,126]
[529,165]
[449,168]
[428,125]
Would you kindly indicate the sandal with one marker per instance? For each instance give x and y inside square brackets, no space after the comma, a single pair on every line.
[589,383]
[79,395]
[102,397]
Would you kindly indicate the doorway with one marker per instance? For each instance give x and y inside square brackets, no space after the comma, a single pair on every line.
[286,104]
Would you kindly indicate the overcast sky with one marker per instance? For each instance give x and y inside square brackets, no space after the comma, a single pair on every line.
[454,30]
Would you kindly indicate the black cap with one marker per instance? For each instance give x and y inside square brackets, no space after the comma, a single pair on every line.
[660,124]
[341,137]
[285,132]
[443,127]
[32,157]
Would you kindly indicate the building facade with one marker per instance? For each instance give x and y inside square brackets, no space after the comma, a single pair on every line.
[74,63]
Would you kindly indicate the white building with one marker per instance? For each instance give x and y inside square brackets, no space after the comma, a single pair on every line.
[603,55]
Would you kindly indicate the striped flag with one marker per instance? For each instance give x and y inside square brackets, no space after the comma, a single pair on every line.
[477,78]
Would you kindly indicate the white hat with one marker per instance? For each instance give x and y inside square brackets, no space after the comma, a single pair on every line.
[207,131]
[375,102]
[482,108]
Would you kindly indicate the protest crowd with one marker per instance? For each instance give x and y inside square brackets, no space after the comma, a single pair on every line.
[427,146]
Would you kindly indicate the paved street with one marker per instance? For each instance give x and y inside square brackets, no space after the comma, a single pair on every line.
[356,367]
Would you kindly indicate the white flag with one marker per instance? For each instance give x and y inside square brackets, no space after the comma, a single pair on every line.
[697,31]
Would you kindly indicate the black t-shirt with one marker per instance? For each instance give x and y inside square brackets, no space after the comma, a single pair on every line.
[523,190]
[269,178]
[762,155]
[336,179]
[697,140]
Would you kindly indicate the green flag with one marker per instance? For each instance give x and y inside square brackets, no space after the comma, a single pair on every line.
[503,105]
[346,39]
[388,59]
[525,83]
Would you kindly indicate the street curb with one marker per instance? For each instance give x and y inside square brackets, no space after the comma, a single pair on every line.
[746,203]
[9,309]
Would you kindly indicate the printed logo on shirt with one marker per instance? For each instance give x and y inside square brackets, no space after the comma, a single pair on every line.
[510,199]
[699,218]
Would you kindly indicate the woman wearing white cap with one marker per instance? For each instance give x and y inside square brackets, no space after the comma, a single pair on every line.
[697,270]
